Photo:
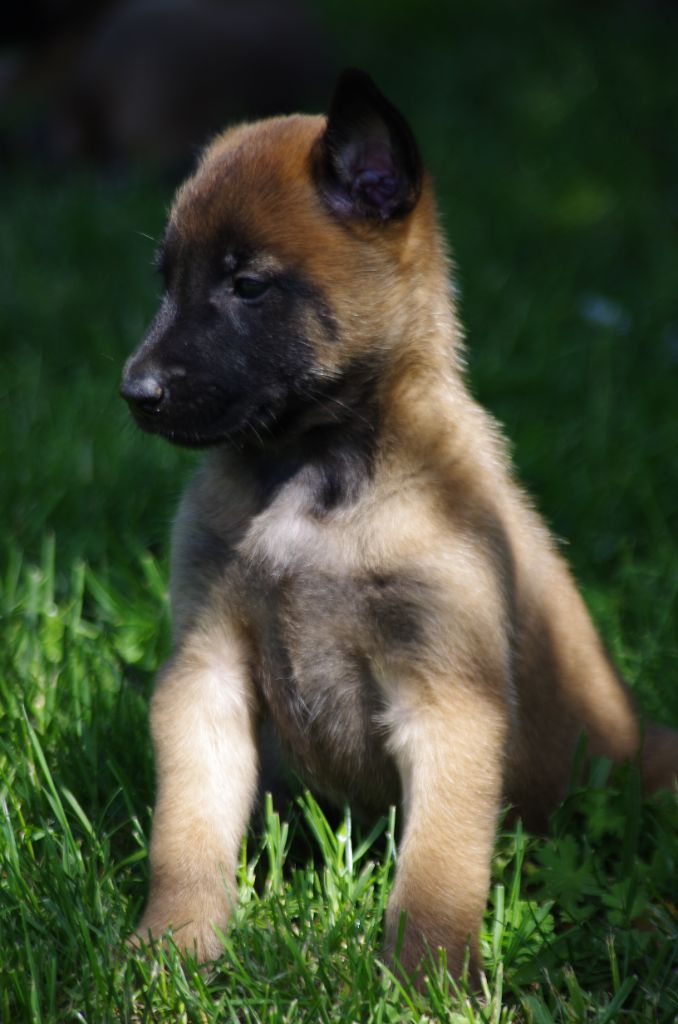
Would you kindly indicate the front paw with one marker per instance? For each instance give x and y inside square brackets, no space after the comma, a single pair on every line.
[413,949]
[193,935]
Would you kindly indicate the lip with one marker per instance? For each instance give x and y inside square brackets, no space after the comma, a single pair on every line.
[182,431]
[195,441]
[185,437]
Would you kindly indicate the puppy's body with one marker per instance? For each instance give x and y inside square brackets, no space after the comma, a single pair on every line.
[353,560]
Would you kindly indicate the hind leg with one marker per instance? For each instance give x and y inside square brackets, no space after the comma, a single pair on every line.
[542,761]
[659,757]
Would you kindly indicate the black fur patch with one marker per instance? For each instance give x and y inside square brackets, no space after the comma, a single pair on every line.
[230,367]
[332,438]
[396,606]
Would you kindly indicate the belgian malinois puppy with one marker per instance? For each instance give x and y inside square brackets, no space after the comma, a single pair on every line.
[353,561]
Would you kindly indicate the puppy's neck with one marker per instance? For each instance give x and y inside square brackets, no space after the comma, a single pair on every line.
[329,441]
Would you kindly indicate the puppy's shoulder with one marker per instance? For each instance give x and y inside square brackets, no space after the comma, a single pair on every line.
[213,514]
[219,499]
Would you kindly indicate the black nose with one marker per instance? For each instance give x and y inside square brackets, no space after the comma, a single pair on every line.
[144,391]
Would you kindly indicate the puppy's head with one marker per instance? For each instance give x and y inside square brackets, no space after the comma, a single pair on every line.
[292,255]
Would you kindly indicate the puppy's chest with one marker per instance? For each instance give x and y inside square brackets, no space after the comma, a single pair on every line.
[313,667]
[322,624]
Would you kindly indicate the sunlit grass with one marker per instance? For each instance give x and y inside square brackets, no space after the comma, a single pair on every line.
[579,924]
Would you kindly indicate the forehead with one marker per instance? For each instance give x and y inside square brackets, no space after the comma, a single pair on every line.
[254,187]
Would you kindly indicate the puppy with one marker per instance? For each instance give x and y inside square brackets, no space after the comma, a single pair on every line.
[353,561]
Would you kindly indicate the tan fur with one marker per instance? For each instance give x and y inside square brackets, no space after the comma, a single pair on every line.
[490,705]
[204,737]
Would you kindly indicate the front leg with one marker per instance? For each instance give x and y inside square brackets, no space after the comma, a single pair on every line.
[203,727]
[448,742]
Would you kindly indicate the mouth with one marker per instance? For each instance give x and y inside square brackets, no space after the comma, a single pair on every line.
[243,424]
[186,435]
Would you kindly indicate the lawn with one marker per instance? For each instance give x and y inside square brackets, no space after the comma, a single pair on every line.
[550,130]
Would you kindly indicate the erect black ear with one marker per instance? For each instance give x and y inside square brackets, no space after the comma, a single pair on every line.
[369,164]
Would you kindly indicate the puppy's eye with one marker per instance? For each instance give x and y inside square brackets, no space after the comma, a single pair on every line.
[250,287]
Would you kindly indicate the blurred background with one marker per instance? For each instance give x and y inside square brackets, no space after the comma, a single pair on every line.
[551,129]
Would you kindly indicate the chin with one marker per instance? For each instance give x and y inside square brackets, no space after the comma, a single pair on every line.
[186,434]
[195,441]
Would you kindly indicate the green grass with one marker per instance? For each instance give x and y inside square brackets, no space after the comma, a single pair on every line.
[550,131]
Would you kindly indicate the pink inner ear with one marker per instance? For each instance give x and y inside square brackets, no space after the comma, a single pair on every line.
[370,175]
[379,190]
[358,156]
